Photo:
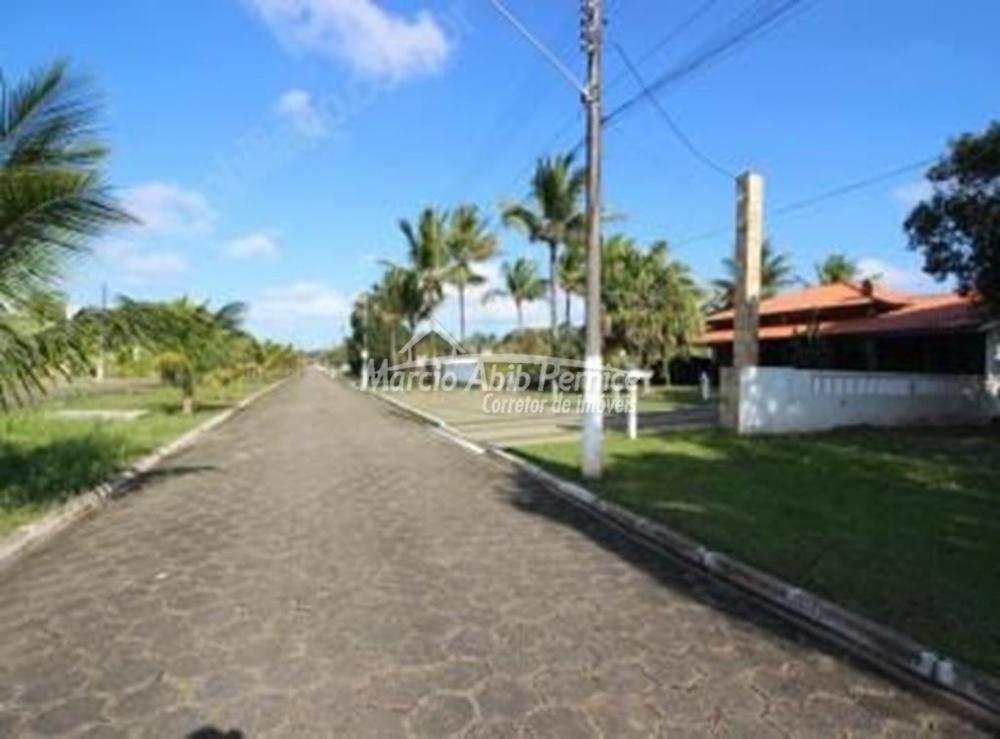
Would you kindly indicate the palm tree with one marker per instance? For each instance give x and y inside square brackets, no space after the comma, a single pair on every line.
[836,268]
[427,244]
[397,298]
[652,304]
[554,214]
[194,340]
[572,273]
[522,284]
[469,242]
[775,275]
[52,199]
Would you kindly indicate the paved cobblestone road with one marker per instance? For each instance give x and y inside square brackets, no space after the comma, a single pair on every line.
[319,566]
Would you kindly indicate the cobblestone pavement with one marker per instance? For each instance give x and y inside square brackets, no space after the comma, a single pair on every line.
[319,566]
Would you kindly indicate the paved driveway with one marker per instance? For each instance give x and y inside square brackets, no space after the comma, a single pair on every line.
[320,566]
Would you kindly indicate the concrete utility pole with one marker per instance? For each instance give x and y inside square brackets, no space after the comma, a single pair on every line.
[593,419]
[591,33]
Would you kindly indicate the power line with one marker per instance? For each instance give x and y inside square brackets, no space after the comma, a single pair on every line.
[501,135]
[740,31]
[565,127]
[670,36]
[851,187]
[831,194]
[668,119]
[760,17]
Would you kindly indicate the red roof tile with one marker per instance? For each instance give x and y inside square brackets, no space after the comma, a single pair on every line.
[926,314]
[922,314]
[837,295]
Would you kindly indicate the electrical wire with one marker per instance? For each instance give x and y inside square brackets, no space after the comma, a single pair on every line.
[851,187]
[696,152]
[676,31]
[822,197]
[753,22]
[570,121]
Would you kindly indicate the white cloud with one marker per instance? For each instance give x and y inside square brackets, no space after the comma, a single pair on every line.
[912,193]
[134,265]
[370,38]
[907,279]
[253,246]
[300,301]
[298,108]
[167,208]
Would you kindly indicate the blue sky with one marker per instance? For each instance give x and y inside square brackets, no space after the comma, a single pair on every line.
[272,145]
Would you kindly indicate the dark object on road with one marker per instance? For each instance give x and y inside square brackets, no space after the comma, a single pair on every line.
[210,732]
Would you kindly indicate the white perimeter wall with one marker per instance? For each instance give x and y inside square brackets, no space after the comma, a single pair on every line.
[780,399]
[993,364]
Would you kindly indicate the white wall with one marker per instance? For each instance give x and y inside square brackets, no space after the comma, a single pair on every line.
[993,366]
[780,399]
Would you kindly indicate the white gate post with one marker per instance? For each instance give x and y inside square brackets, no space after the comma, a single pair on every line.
[633,404]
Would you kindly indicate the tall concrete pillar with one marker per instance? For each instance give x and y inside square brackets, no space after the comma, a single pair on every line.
[749,248]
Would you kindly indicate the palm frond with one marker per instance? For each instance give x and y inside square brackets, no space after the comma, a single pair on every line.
[47,120]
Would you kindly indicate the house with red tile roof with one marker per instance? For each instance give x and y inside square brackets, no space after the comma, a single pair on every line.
[864,326]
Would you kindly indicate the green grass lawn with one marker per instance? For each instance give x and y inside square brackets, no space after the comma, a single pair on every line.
[661,398]
[902,526]
[44,459]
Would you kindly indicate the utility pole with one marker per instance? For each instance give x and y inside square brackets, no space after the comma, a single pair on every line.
[592,29]
[593,419]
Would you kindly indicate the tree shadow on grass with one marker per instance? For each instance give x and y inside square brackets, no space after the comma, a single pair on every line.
[48,474]
[906,542]
[51,472]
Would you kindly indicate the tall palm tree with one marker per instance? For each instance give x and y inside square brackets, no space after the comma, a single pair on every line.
[52,199]
[427,244]
[837,267]
[469,242]
[572,273]
[776,274]
[399,298]
[553,214]
[652,305]
[522,284]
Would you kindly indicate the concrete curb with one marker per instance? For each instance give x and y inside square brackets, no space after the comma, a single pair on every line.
[963,688]
[33,536]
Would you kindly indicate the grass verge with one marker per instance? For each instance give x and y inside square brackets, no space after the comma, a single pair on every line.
[44,459]
[901,526]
